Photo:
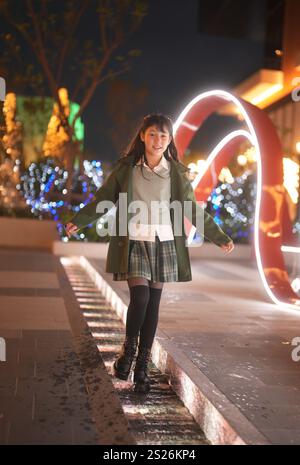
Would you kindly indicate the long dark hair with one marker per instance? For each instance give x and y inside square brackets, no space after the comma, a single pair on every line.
[136,147]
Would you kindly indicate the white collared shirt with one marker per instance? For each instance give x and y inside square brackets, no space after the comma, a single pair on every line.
[163,163]
[157,189]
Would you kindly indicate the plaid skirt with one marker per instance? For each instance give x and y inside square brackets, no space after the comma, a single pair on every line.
[156,261]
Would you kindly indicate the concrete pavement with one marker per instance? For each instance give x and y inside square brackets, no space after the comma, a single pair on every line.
[55,385]
[54,388]
[222,356]
[226,349]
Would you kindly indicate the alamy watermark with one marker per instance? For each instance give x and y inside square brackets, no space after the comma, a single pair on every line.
[142,217]
[2,340]
[296,91]
[2,350]
[2,89]
[296,352]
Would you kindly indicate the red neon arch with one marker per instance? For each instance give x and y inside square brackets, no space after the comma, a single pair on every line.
[270,205]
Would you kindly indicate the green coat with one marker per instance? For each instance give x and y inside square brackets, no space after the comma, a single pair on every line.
[119,180]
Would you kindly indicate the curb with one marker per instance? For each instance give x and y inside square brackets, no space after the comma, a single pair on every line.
[221,421]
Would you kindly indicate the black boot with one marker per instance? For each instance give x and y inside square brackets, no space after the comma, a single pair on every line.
[124,361]
[141,379]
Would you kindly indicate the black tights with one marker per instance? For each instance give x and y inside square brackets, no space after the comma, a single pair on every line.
[142,313]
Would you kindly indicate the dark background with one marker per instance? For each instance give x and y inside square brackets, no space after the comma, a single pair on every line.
[187,47]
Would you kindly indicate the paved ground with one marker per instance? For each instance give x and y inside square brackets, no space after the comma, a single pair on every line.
[224,323]
[54,388]
[156,418]
[56,385]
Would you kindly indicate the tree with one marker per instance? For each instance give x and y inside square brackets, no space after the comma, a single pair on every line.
[124,101]
[51,32]
[11,149]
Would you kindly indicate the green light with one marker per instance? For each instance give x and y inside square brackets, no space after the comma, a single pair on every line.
[79,126]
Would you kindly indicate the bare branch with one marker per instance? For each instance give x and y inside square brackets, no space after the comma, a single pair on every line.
[40,48]
[113,27]
[96,84]
[17,26]
[79,85]
[103,25]
[118,40]
[71,29]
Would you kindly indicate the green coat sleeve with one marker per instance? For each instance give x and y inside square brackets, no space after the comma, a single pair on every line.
[212,230]
[108,191]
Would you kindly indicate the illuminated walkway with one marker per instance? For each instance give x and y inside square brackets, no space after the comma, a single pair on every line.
[228,351]
[55,387]
[222,354]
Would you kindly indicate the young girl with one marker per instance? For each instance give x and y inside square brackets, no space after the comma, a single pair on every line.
[149,254]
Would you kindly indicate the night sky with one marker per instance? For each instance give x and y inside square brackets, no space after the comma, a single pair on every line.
[177,63]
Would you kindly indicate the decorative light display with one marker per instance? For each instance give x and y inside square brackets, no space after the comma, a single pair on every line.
[242,160]
[94,172]
[291,178]
[200,167]
[44,187]
[226,176]
[10,166]
[41,189]
[232,202]
[271,222]
[56,135]
[233,206]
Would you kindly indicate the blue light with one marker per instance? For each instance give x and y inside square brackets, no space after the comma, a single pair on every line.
[218,220]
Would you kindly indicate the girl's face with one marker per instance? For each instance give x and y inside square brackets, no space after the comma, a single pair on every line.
[156,141]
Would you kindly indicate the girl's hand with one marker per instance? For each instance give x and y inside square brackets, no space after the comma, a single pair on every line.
[71,229]
[228,247]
